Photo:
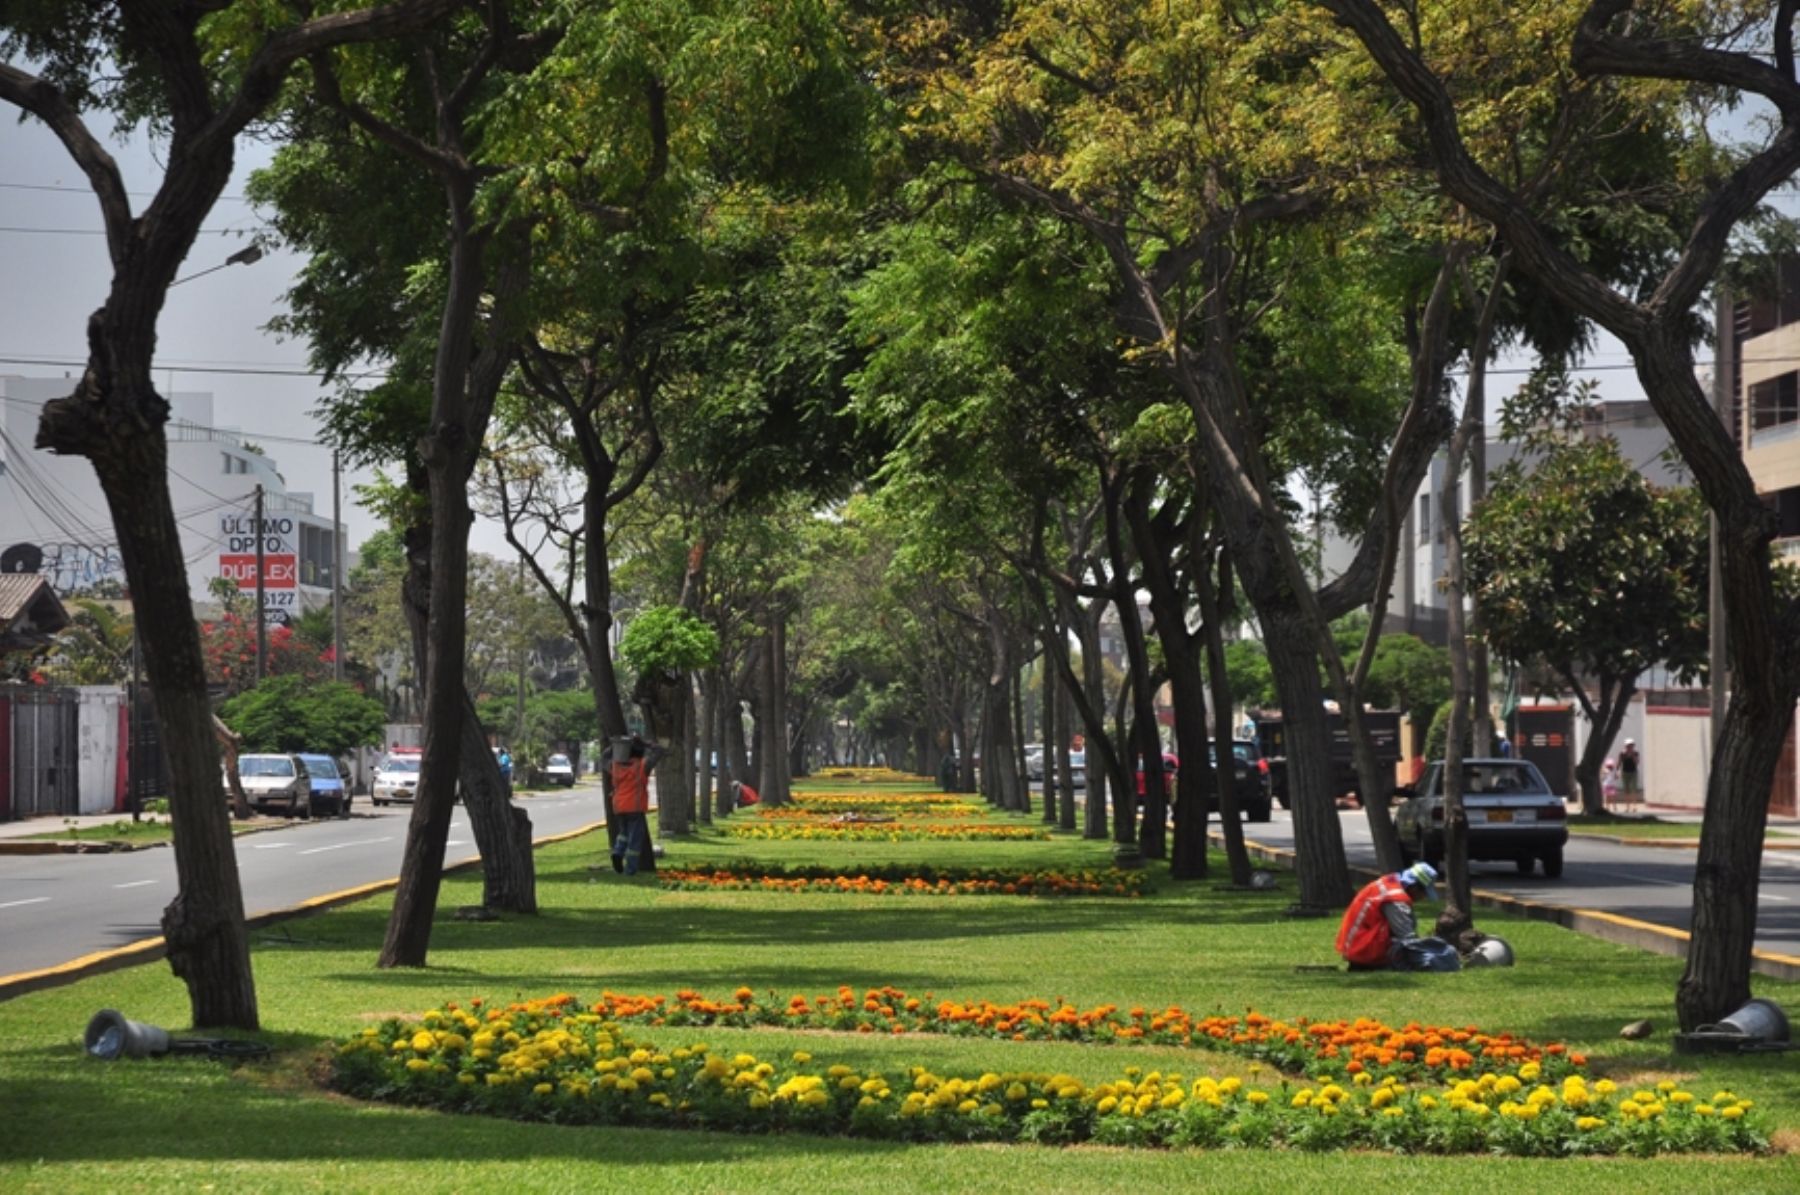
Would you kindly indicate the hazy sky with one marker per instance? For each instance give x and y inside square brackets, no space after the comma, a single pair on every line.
[211,334]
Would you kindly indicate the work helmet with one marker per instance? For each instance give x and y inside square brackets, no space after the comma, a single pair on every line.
[1491,952]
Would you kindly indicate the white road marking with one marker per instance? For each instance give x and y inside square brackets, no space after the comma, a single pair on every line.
[269,846]
[1771,896]
[340,846]
[35,900]
[456,842]
[135,884]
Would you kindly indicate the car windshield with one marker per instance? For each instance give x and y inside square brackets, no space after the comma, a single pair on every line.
[401,763]
[265,765]
[559,761]
[1503,778]
[321,767]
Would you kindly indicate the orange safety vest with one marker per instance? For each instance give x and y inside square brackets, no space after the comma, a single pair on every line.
[631,786]
[1364,936]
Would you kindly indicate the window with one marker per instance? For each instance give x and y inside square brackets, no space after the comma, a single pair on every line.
[1425,517]
[1775,402]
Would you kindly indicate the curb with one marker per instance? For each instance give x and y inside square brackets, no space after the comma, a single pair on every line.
[147,950]
[1609,927]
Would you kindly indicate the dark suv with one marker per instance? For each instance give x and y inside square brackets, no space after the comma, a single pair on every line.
[1250,780]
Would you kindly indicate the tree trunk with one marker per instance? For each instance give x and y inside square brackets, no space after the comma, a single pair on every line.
[709,745]
[502,830]
[1319,861]
[208,946]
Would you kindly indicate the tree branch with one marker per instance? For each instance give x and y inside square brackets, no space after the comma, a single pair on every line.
[44,101]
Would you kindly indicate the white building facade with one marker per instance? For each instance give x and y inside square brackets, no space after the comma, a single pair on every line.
[54,519]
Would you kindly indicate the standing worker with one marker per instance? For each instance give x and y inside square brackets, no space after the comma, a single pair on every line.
[630,762]
[1379,931]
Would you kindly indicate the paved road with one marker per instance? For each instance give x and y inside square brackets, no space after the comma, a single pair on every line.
[1652,884]
[55,908]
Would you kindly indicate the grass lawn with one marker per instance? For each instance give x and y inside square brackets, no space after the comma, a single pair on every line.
[144,833]
[70,1124]
[1645,827]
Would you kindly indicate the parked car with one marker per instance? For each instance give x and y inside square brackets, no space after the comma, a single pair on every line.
[277,782]
[1171,772]
[330,798]
[1512,812]
[1249,779]
[397,777]
[558,770]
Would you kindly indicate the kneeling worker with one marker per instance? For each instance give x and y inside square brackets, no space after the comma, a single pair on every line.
[1379,930]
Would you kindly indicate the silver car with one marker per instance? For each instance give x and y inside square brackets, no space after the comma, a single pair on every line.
[277,783]
[1512,815]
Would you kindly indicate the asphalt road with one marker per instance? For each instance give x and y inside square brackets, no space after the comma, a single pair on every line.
[1653,884]
[55,908]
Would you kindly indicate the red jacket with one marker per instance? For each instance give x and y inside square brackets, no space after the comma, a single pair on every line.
[1365,936]
[631,786]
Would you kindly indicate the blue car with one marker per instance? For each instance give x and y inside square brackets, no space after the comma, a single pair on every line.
[330,796]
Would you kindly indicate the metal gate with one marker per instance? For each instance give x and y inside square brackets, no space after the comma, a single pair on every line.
[46,729]
[1546,736]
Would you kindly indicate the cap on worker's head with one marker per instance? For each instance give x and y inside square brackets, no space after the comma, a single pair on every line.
[1422,875]
[1631,742]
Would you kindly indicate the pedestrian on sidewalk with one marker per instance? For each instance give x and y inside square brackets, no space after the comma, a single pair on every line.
[1609,783]
[1629,791]
[630,762]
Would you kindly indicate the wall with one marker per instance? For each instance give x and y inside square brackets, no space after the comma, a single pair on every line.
[1677,749]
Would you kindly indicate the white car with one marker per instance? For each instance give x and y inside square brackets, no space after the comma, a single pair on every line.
[276,782]
[397,779]
[558,770]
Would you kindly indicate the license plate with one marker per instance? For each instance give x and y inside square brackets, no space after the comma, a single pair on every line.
[1499,815]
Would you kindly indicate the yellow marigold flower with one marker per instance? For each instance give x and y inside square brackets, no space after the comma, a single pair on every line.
[640,1056]
[1108,1103]
[1723,1097]
[1328,1110]
[967,1106]
[1530,1071]
[1381,1098]
[814,1098]
[1040,1103]
[802,1057]
[1259,1098]
[627,1085]
[660,1099]
[1507,1085]
[1302,1099]
[1428,1102]
[401,1044]
[1363,1079]
[497,1079]
[643,1074]
[1643,1097]
[1393,1111]
[1478,1111]
[839,1071]
[542,1089]
[1231,1085]
[1666,1086]
[1016,1091]
[764,1070]
[1172,1099]
[744,1060]
[991,1109]
[1703,1109]
[1746,1105]
[1589,1123]
[758,1100]
[1069,1091]
[417,1064]
[1681,1097]
[465,1078]
[1734,1112]
[1606,1087]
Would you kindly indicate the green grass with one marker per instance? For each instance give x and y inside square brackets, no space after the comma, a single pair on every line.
[130,833]
[69,1124]
[1645,828]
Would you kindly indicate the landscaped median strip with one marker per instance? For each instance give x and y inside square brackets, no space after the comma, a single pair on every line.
[554,1060]
[906,880]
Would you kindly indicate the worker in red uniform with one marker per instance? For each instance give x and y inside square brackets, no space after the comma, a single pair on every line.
[631,800]
[1379,930]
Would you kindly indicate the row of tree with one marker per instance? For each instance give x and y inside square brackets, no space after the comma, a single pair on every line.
[1071,289]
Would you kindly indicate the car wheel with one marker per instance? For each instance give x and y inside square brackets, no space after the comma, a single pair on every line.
[1526,864]
[1553,863]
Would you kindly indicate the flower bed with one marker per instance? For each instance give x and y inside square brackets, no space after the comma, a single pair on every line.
[886,832]
[550,1060]
[832,804]
[908,880]
[1360,1046]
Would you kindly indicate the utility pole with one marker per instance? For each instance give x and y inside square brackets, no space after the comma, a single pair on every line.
[337,568]
[262,631]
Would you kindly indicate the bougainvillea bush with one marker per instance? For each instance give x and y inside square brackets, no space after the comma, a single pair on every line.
[554,1060]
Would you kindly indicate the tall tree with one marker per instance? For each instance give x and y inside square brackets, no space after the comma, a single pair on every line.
[1700,53]
[202,72]
[1580,565]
